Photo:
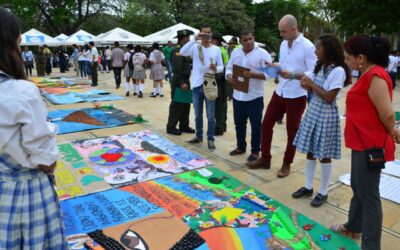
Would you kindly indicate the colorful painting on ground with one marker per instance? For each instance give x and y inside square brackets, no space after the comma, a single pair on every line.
[94,165]
[75,120]
[43,82]
[200,209]
[77,94]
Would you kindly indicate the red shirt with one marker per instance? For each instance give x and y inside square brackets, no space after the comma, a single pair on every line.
[363,128]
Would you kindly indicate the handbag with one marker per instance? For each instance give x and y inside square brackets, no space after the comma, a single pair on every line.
[210,87]
[375,155]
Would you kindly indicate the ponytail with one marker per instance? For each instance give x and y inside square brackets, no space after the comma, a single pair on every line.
[381,48]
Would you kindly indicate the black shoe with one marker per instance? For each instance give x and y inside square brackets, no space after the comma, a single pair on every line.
[188,130]
[161,95]
[302,192]
[318,200]
[173,131]
[127,93]
[195,140]
[211,144]
[140,95]
[134,94]
[93,85]
[153,95]
[280,122]
[218,133]
[117,87]
[253,157]
[237,151]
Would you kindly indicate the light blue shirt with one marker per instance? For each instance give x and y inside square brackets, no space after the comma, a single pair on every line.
[27,56]
[75,54]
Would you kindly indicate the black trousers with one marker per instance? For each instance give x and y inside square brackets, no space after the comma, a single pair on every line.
[117,75]
[365,214]
[94,72]
[178,112]
[221,103]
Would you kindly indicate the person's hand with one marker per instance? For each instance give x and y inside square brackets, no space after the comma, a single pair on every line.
[248,74]
[397,135]
[185,87]
[306,83]
[48,169]
[285,74]
[198,36]
[276,80]
[213,67]
[231,80]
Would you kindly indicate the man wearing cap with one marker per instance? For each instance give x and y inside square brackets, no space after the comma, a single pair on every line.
[181,67]
[221,105]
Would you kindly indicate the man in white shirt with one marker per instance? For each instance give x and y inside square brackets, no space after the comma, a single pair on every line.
[248,105]
[207,58]
[296,54]
[94,54]
[392,67]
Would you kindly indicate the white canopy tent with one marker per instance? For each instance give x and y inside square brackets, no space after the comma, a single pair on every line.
[35,37]
[61,37]
[120,35]
[81,37]
[168,34]
[229,37]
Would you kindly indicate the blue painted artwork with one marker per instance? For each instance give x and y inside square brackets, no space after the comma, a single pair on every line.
[94,95]
[271,71]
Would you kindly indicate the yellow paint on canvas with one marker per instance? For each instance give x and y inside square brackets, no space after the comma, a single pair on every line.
[230,213]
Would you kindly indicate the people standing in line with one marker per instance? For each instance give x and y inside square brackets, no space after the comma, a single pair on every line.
[207,58]
[28,58]
[296,54]
[167,54]
[88,57]
[319,135]
[221,103]
[82,61]
[62,59]
[117,58]
[48,54]
[128,71]
[31,217]
[179,111]
[369,133]
[41,60]
[95,62]
[139,71]
[74,58]
[248,106]
[157,72]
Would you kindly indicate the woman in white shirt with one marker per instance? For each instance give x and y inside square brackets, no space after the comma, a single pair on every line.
[82,61]
[88,57]
[30,215]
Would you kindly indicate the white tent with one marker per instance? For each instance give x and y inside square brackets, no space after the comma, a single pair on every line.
[229,37]
[61,37]
[35,37]
[81,37]
[120,35]
[168,34]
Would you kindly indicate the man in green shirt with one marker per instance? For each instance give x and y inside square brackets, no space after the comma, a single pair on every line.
[221,105]
[179,110]
[167,53]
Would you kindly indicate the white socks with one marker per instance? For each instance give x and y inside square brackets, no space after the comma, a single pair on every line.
[135,86]
[326,171]
[310,171]
[127,87]
[141,87]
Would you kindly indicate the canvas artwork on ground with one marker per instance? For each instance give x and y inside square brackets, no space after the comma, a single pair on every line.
[74,120]
[43,82]
[77,94]
[94,165]
[201,209]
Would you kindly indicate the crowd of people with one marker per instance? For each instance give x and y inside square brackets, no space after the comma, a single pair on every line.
[203,73]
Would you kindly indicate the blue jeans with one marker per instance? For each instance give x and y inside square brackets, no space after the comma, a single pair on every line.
[198,99]
[252,110]
[169,68]
[82,68]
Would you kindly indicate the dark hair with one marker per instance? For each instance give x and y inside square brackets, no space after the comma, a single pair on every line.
[138,48]
[333,54]
[10,56]
[91,43]
[204,26]
[107,47]
[129,46]
[155,46]
[87,47]
[245,32]
[376,49]
[116,44]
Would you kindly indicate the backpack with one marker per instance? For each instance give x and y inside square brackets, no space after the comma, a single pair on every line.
[137,62]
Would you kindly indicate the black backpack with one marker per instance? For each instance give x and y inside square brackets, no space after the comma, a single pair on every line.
[130,61]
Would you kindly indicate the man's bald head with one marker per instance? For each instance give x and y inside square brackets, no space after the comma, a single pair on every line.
[288,27]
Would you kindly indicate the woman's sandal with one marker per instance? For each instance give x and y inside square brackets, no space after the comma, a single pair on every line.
[339,228]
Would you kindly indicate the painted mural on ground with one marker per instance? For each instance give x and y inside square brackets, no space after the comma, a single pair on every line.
[200,209]
[94,165]
[74,120]
[44,82]
[77,94]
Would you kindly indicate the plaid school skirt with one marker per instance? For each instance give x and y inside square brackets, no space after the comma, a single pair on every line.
[30,214]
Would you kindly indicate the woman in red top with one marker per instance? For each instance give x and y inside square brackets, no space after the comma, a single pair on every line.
[370,123]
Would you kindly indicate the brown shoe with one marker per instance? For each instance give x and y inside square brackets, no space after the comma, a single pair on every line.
[284,171]
[259,163]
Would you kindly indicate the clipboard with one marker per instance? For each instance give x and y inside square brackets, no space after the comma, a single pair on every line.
[238,74]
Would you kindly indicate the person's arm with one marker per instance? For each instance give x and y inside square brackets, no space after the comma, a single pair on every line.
[220,62]
[380,97]
[187,49]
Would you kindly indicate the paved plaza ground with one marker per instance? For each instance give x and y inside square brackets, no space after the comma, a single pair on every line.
[155,110]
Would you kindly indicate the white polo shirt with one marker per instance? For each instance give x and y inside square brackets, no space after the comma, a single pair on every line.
[253,60]
[300,58]
[95,53]
[212,53]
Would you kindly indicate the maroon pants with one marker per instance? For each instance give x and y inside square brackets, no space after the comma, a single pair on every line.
[278,106]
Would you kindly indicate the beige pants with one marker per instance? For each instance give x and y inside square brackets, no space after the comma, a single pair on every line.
[76,67]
